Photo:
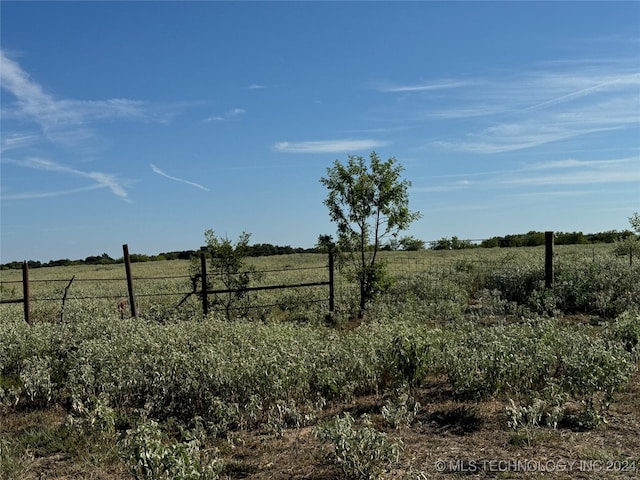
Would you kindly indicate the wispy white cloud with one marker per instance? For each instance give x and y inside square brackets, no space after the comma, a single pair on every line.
[14,141]
[59,193]
[508,137]
[512,111]
[161,173]
[463,111]
[460,185]
[588,86]
[328,146]
[528,129]
[232,114]
[553,194]
[582,164]
[256,86]
[567,173]
[425,86]
[65,119]
[102,180]
[573,172]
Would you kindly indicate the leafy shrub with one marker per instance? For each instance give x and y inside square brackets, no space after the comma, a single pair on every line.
[598,286]
[592,370]
[491,304]
[626,330]
[538,413]
[606,288]
[408,357]
[401,408]
[539,357]
[149,454]
[516,282]
[362,452]
[430,298]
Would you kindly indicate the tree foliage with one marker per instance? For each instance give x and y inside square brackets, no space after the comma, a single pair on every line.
[453,243]
[410,243]
[368,203]
[227,270]
[630,245]
[634,220]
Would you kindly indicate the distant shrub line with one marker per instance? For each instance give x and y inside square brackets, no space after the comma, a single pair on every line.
[257,250]
[530,239]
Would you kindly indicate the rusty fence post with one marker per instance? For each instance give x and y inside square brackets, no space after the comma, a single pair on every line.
[127,266]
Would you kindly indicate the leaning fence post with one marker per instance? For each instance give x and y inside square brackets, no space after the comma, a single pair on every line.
[25,292]
[127,266]
[548,259]
[331,288]
[64,298]
[203,270]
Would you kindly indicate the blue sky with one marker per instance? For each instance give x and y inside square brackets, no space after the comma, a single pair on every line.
[149,123]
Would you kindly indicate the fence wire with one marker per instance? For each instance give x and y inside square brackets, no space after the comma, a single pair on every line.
[147,287]
[470,268]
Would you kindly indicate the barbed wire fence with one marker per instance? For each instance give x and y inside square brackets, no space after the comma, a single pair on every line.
[312,285]
[125,297]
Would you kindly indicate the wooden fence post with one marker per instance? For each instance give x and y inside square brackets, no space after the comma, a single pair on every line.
[203,270]
[25,292]
[548,259]
[127,266]
[331,288]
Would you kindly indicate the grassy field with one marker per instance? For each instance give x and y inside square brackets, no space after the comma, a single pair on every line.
[466,365]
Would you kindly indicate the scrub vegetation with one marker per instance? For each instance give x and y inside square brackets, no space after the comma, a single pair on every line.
[463,357]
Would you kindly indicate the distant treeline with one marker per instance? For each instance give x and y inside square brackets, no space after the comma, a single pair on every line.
[258,250]
[530,239]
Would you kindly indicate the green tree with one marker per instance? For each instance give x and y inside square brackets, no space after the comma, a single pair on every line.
[634,220]
[410,243]
[227,270]
[368,203]
[630,244]
[443,244]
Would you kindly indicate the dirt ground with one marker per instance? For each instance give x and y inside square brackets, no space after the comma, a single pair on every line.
[447,440]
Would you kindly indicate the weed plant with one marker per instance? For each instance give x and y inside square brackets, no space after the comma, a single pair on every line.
[362,451]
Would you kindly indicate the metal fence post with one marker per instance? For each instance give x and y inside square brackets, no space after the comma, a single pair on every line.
[331,286]
[203,270]
[548,259]
[127,266]
[25,292]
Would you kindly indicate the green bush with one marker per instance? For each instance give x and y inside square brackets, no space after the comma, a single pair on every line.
[605,288]
[539,358]
[150,455]
[361,451]
[596,287]
[401,408]
[430,298]
[626,330]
